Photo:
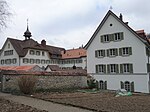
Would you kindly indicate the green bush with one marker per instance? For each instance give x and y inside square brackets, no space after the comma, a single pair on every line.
[27,83]
[91,83]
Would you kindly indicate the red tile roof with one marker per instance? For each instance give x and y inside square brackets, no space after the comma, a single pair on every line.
[17,68]
[73,53]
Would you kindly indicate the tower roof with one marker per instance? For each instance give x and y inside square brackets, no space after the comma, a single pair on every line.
[27,33]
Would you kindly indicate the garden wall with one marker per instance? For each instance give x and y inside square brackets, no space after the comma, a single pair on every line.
[46,80]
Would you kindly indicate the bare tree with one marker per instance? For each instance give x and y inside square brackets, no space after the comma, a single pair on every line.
[4,14]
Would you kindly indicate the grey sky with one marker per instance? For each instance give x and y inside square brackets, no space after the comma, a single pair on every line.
[71,23]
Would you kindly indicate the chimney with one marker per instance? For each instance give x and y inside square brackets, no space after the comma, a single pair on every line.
[121,17]
[43,43]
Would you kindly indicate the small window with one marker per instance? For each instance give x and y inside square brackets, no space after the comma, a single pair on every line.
[118,36]
[37,61]
[126,51]
[43,53]
[14,61]
[25,60]
[103,85]
[47,61]
[100,68]
[31,61]
[105,38]
[8,52]
[2,62]
[38,53]
[126,68]
[112,68]
[112,52]
[8,61]
[32,52]
[42,61]
[8,46]
[100,53]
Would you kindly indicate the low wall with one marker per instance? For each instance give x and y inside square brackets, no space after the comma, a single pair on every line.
[47,81]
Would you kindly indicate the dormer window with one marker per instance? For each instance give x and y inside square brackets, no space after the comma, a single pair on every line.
[32,52]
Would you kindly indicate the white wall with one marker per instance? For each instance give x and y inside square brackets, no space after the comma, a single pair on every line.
[113,81]
[15,55]
[138,57]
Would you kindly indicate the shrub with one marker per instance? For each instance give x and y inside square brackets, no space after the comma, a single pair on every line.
[91,83]
[27,83]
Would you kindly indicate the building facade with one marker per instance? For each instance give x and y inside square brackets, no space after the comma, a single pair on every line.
[117,56]
[29,52]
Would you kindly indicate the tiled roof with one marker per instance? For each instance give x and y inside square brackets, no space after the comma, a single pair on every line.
[53,67]
[18,68]
[73,53]
[22,46]
[141,33]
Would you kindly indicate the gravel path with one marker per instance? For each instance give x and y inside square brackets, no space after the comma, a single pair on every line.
[42,105]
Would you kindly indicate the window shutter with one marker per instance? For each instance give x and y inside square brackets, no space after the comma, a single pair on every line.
[105,85]
[121,68]
[96,54]
[148,67]
[96,68]
[122,85]
[121,35]
[132,86]
[104,67]
[120,51]
[103,53]
[131,68]
[107,52]
[130,50]
[116,52]
[111,37]
[102,38]
[117,68]
[108,68]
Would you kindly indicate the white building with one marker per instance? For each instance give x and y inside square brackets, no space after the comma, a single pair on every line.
[29,52]
[117,57]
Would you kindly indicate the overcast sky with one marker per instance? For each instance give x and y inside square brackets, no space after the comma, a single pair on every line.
[70,23]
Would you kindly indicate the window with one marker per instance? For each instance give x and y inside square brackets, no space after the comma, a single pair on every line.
[31,61]
[47,61]
[8,52]
[103,85]
[118,36]
[42,61]
[112,68]
[32,52]
[112,52]
[105,38]
[38,53]
[2,62]
[100,68]
[127,86]
[126,51]
[8,61]
[8,46]
[43,53]
[100,53]
[25,60]
[37,61]
[14,61]
[126,68]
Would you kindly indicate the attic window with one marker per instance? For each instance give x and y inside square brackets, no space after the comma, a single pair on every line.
[8,46]
[111,24]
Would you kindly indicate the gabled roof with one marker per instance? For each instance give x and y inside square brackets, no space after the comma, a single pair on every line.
[117,18]
[22,46]
[53,67]
[73,53]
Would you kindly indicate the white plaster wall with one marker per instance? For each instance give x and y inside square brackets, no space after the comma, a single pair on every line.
[113,81]
[138,57]
[29,56]
[15,55]
[83,64]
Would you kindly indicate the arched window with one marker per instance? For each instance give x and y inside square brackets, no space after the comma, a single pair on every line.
[101,83]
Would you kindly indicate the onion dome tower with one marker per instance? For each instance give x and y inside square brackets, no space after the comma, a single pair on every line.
[27,33]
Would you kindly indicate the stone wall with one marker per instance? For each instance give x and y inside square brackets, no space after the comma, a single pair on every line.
[46,81]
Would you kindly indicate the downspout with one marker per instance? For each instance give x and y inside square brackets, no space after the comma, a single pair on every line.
[148,68]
